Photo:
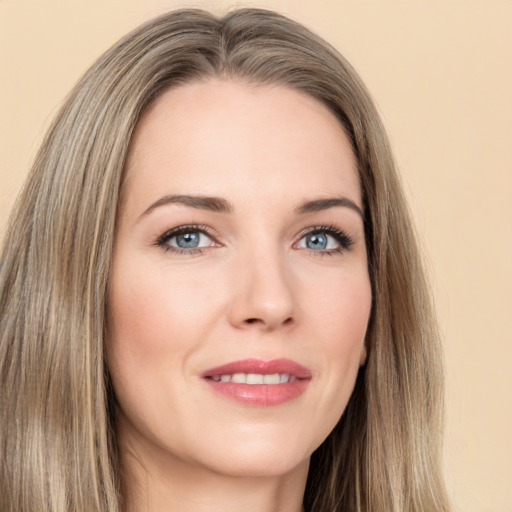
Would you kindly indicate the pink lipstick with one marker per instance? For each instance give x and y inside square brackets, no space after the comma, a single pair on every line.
[257,382]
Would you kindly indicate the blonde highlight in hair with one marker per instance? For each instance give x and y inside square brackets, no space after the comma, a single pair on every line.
[57,427]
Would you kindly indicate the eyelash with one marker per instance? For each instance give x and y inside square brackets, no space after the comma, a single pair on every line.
[163,240]
[345,242]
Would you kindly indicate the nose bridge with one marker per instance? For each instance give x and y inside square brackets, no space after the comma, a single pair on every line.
[263,289]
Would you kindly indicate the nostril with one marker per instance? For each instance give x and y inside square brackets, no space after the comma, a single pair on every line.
[251,321]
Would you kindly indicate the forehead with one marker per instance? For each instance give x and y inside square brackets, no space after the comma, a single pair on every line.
[223,137]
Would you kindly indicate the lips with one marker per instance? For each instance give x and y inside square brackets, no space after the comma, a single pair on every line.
[259,383]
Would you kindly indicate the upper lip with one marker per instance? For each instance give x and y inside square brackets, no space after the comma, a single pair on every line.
[260,366]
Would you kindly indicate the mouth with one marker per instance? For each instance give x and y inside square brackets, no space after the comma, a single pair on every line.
[259,383]
[255,378]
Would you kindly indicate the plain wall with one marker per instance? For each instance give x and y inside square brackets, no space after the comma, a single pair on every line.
[440,72]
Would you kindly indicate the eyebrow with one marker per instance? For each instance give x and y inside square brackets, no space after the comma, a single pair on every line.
[212,204]
[331,202]
[220,205]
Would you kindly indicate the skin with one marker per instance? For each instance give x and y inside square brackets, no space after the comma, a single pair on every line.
[256,288]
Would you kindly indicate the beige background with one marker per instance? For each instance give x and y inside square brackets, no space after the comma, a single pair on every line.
[440,72]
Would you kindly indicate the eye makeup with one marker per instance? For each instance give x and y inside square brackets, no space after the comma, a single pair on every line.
[318,236]
[193,239]
[187,239]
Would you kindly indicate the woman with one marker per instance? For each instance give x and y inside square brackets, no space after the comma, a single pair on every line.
[211,295]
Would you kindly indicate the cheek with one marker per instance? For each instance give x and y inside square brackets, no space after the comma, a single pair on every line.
[155,310]
[341,319]
[342,308]
[152,331]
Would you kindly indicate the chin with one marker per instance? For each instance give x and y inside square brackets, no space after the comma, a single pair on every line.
[263,455]
[262,465]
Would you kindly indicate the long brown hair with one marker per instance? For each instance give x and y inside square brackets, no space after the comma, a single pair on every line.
[57,431]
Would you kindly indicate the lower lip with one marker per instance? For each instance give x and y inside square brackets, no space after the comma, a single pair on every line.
[262,395]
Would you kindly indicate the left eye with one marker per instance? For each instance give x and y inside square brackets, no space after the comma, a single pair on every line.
[187,239]
[319,241]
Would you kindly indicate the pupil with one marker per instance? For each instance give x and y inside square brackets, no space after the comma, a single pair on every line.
[188,240]
[316,241]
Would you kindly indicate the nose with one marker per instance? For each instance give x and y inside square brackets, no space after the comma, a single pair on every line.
[263,296]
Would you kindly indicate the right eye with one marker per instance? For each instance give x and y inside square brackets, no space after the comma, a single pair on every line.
[186,239]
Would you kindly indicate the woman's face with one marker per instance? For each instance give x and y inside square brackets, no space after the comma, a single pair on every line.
[239,294]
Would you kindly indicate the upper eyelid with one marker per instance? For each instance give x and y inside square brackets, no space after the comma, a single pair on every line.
[209,231]
[343,237]
[319,228]
[330,229]
[184,228]
[162,242]
[223,237]
[212,233]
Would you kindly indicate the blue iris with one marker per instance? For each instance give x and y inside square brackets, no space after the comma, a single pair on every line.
[188,240]
[316,241]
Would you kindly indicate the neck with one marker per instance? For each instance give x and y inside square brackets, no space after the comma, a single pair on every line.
[176,485]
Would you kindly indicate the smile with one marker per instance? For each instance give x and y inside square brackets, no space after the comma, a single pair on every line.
[260,383]
[255,378]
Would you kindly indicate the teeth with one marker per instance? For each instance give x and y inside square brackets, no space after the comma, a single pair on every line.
[256,378]
[272,379]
